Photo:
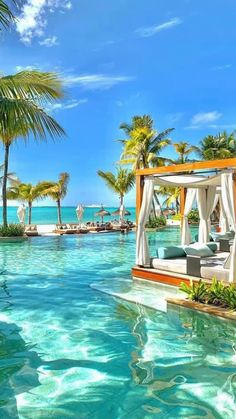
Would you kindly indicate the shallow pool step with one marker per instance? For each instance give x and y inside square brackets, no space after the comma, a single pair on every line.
[139,292]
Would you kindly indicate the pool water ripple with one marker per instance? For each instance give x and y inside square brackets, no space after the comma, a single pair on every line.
[68,350]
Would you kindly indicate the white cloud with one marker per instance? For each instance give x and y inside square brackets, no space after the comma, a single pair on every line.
[49,42]
[148,31]
[66,105]
[221,67]
[203,118]
[24,68]
[95,81]
[32,20]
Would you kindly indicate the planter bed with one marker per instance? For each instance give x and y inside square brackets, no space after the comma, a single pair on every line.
[204,308]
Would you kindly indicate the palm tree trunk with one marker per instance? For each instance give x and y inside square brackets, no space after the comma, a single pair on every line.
[59,211]
[30,211]
[4,185]
[121,203]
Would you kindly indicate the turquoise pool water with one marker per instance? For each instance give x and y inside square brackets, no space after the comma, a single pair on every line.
[70,351]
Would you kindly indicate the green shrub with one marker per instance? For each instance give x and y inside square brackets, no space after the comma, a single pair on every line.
[176,217]
[196,291]
[12,230]
[229,296]
[217,293]
[193,216]
[155,222]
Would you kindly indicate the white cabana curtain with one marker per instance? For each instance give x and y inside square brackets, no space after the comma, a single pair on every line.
[142,250]
[228,198]
[189,201]
[224,223]
[205,201]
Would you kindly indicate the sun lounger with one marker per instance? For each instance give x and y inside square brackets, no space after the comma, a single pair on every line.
[31,230]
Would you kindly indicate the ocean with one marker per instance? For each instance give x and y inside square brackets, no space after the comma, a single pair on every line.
[48,215]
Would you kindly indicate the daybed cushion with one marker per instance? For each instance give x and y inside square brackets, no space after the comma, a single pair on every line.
[198,249]
[170,252]
[178,265]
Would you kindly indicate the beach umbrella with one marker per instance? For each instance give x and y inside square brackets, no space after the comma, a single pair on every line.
[102,213]
[21,213]
[79,212]
[117,212]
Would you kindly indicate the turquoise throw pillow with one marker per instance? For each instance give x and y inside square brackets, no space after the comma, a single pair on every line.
[198,249]
[170,252]
[212,246]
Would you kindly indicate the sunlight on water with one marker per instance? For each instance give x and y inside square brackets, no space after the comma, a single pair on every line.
[70,351]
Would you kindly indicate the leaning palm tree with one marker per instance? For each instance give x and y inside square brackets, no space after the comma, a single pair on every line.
[26,192]
[120,183]
[56,191]
[171,196]
[18,119]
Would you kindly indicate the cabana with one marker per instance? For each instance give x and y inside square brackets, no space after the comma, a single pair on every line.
[201,183]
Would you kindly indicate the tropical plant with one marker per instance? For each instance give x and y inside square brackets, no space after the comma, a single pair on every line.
[193,216]
[156,222]
[229,296]
[215,292]
[184,150]
[56,191]
[120,183]
[26,192]
[221,146]
[12,230]
[196,291]
[21,116]
[143,146]
[6,14]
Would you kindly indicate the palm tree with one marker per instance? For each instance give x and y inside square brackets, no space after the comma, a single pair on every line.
[6,15]
[26,192]
[57,191]
[120,183]
[184,149]
[144,144]
[171,195]
[221,146]
[20,114]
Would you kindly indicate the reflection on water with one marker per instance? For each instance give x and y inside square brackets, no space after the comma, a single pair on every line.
[70,351]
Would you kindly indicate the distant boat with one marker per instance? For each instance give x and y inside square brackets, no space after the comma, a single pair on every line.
[92,206]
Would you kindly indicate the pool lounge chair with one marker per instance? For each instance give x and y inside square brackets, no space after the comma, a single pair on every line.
[31,230]
[64,229]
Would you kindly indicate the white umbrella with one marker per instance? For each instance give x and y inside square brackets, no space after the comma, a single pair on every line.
[21,213]
[79,212]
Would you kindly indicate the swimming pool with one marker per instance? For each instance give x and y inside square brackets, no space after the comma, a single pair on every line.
[70,351]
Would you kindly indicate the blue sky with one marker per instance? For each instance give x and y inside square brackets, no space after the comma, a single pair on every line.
[174,60]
